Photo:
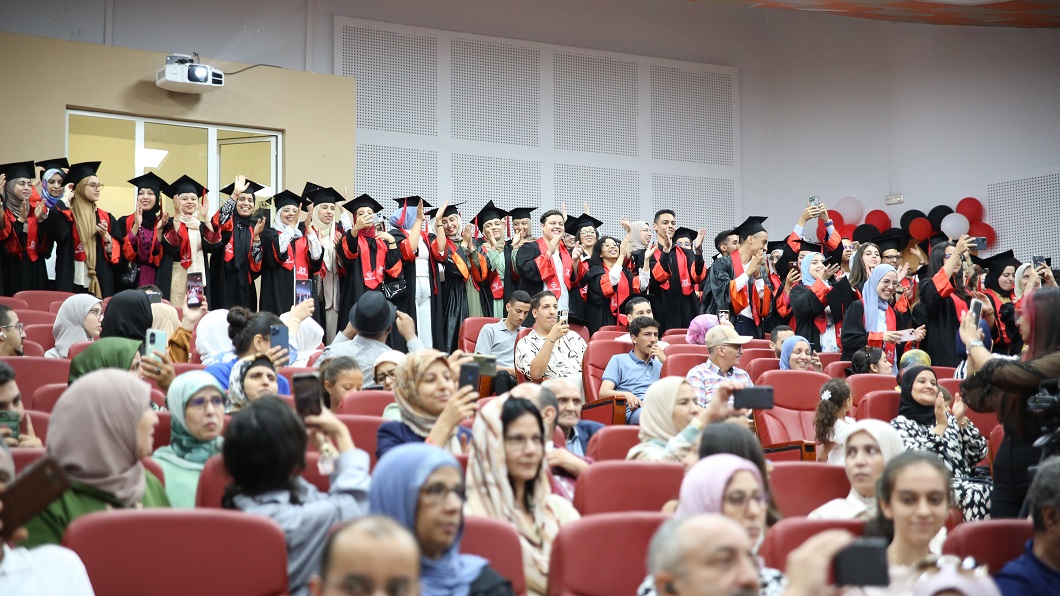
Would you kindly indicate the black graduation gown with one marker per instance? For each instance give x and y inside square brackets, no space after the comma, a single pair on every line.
[855,337]
[407,303]
[60,239]
[170,257]
[277,281]
[530,280]
[19,271]
[720,275]
[510,277]
[482,275]
[1010,342]
[231,283]
[676,309]
[351,275]
[940,319]
[598,310]
[806,306]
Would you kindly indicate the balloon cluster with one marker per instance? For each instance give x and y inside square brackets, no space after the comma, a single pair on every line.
[966,219]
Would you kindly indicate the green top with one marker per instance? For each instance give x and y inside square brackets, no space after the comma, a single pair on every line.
[49,525]
[181,482]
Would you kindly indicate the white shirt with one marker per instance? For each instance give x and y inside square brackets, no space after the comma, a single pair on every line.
[564,295]
[46,570]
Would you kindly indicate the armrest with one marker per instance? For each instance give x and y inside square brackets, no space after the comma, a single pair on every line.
[791,451]
[610,410]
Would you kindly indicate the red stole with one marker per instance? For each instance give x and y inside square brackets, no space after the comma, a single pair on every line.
[682,270]
[373,276]
[548,274]
[737,269]
[185,245]
[296,260]
[617,294]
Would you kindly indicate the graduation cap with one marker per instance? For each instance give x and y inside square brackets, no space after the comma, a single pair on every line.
[325,194]
[413,201]
[80,171]
[59,163]
[685,233]
[776,245]
[865,233]
[22,169]
[750,226]
[186,184]
[890,239]
[810,246]
[310,187]
[152,181]
[252,188]
[521,212]
[574,224]
[934,239]
[449,210]
[364,200]
[287,198]
[997,263]
[488,213]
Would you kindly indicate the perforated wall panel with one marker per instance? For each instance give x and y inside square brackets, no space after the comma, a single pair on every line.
[699,203]
[595,103]
[509,182]
[610,193]
[691,115]
[1012,203]
[496,92]
[391,172]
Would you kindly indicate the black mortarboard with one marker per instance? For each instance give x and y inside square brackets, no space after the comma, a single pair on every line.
[286,198]
[489,212]
[807,246]
[750,226]
[50,164]
[574,224]
[22,169]
[252,188]
[521,212]
[449,210]
[80,171]
[865,233]
[890,239]
[776,245]
[364,200]
[997,263]
[310,187]
[326,194]
[150,180]
[685,233]
[412,202]
[186,184]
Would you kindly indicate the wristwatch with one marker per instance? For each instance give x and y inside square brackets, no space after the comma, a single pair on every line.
[976,343]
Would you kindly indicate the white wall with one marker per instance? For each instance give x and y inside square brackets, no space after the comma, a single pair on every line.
[829,105]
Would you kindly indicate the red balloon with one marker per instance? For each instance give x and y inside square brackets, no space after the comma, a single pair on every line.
[984,229]
[837,218]
[920,228]
[847,231]
[837,222]
[878,219]
[971,208]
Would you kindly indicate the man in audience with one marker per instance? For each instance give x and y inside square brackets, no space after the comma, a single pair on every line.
[364,339]
[777,337]
[630,375]
[724,347]
[11,401]
[565,466]
[12,333]
[551,350]
[637,306]
[569,402]
[499,339]
[47,569]
[369,555]
[1037,571]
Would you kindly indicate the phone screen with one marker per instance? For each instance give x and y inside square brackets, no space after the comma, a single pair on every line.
[469,375]
[723,316]
[307,392]
[487,364]
[303,290]
[563,317]
[977,309]
[753,398]
[194,290]
[279,337]
[815,201]
[154,297]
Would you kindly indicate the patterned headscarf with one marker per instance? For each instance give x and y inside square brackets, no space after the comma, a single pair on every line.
[237,395]
[184,449]
[406,394]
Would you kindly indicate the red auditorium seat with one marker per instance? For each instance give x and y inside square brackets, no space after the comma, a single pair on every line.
[750,354]
[32,373]
[40,333]
[155,468]
[369,402]
[994,541]
[581,330]
[497,542]
[44,398]
[363,431]
[14,303]
[76,349]
[121,549]
[32,349]
[469,330]
[984,421]
[788,427]
[36,317]
[674,349]
[604,335]
[837,369]
[799,487]
[519,376]
[578,566]
[612,443]
[613,328]
[24,456]
[944,372]
[879,405]
[604,487]
[288,372]
[760,366]
[212,483]
[164,430]
[55,306]
[39,420]
[789,534]
[183,367]
[678,365]
[862,384]
[312,475]
[677,340]
[40,299]
[597,355]
[672,332]
[757,343]
[827,358]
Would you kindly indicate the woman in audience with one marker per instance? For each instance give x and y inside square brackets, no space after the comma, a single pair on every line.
[251,334]
[264,452]
[196,405]
[80,318]
[251,378]
[507,479]
[872,321]
[141,246]
[211,338]
[867,447]
[865,259]
[129,315]
[422,487]
[178,332]
[99,432]
[698,328]
[944,300]
[85,237]
[385,369]
[431,405]
[924,423]
[122,354]
[831,422]
[739,441]
[869,360]
[796,354]
[670,423]
[307,340]
[814,318]
[340,376]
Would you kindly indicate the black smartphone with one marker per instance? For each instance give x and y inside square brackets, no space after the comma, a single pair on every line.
[279,337]
[753,398]
[977,243]
[976,307]
[469,375]
[829,261]
[33,490]
[154,297]
[303,290]
[307,391]
[863,563]
[792,266]
[194,290]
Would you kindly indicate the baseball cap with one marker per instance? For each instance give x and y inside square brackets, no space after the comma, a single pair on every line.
[721,335]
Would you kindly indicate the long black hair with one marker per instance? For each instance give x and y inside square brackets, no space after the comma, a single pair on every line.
[881,525]
[597,258]
[936,262]
[264,450]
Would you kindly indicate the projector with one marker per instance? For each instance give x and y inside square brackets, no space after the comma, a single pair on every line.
[184,74]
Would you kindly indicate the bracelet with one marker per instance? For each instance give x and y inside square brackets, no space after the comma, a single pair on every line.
[550,339]
[976,343]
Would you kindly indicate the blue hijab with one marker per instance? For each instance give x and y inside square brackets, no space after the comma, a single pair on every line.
[395,492]
[873,305]
[787,348]
[48,199]
[807,277]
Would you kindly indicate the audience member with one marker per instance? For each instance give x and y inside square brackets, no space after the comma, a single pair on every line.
[12,333]
[128,315]
[122,354]
[867,448]
[251,378]
[11,401]
[870,360]
[264,451]
[507,479]
[422,488]
[307,340]
[340,376]
[372,318]
[796,354]
[385,369]
[724,347]
[698,328]
[178,331]
[551,350]
[196,405]
[1037,571]
[80,318]
[672,423]
[211,338]
[251,334]
[741,442]
[369,555]
[569,401]
[630,375]
[777,337]
[99,431]
[498,339]
[831,422]
[564,466]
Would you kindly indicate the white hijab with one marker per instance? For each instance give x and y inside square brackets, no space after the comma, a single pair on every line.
[69,326]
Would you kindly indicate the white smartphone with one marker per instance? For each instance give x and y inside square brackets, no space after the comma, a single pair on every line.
[907,335]
[155,341]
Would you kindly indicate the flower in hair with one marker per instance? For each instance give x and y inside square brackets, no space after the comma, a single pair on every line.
[826,395]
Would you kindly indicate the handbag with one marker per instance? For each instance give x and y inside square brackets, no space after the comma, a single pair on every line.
[130,276]
[393,290]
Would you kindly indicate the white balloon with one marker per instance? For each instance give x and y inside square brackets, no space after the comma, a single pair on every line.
[851,210]
[954,226]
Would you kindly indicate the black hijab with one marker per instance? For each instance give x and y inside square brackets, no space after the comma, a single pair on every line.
[908,406]
[128,315]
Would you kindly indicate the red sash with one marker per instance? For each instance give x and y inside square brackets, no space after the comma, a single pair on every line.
[551,281]
[682,270]
[1001,329]
[737,269]
[617,295]
[297,260]
[31,225]
[373,276]
[185,245]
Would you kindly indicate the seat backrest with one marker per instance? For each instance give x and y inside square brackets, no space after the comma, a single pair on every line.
[183,367]
[25,456]
[673,349]
[759,366]
[597,355]
[122,549]
[796,394]
[996,436]
[613,328]
[612,443]
[757,343]
[41,299]
[789,534]
[605,335]
[76,349]
[288,372]
[45,397]
[469,330]
[14,303]
[799,487]
[33,372]
[879,405]
[676,331]
[519,376]
[36,317]
[677,340]
[212,482]
[994,541]
[862,384]
[750,354]
[363,431]
[370,402]
[604,486]
[39,420]
[497,542]
[837,369]
[581,330]
[55,306]
[40,333]
[155,468]
[983,421]
[678,365]
[944,372]
[164,430]
[577,567]
[827,358]
[32,348]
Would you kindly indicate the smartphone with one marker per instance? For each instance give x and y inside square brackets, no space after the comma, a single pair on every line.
[1038,261]
[907,335]
[154,341]
[978,243]
[303,290]
[977,309]
[723,316]
[564,317]
[307,390]
[753,398]
[487,364]
[194,290]
[279,337]
[792,266]
[815,201]
[829,261]
[863,563]
[469,375]
[33,490]
[10,419]
[154,297]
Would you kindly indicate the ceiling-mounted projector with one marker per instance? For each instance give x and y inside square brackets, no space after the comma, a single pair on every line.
[184,74]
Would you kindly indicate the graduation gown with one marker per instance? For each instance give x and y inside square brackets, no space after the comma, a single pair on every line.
[60,239]
[677,273]
[855,337]
[22,254]
[808,304]
[723,275]
[280,269]
[941,312]
[141,248]
[537,271]
[604,299]
[407,303]
[169,249]
[383,266]
[482,282]
[456,273]
[1005,333]
[234,262]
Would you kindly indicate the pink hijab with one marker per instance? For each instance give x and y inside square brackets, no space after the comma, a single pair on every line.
[703,488]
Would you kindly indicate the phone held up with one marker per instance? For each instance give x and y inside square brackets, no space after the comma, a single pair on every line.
[753,398]
[154,341]
[976,308]
[11,420]
[863,563]
[469,372]
[723,316]
[279,337]
[308,391]
[977,243]
[194,290]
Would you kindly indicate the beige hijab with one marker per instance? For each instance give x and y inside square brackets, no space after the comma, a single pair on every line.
[84,212]
[165,318]
[406,394]
[657,419]
[327,241]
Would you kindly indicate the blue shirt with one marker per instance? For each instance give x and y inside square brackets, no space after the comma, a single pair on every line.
[223,370]
[631,374]
[1027,575]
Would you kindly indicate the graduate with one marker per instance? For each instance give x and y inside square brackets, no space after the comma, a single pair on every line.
[610,283]
[819,301]
[784,274]
[545,264]
[665,224]
[80,234]
[185,240]
[739,281]
[141,246]
[236,261]
[461,263]
[51,189]
[288,254]
[24,213]
[418,270]
[678,268]
[583,229]
[326,225]
[891,242]
[520,233]
[495,286]
[369,259]
[999,286]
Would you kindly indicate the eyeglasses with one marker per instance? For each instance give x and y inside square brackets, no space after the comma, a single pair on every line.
[96,311]
[379,378]
[95,185]
[519,442]
[438,492]
[891,257]
[200,403]
[21,327]
[890,284]
[742,499]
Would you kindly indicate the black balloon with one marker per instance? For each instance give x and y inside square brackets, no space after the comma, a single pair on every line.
[936,215]
[909,216]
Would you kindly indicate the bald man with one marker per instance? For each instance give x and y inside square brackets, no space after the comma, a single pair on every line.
[370,555]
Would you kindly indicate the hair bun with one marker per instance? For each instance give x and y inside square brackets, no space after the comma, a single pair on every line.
[238,317]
